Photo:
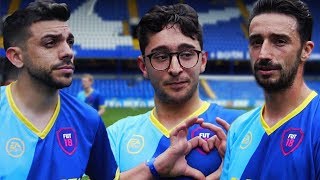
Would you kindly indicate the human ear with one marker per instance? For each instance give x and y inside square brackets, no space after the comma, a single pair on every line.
[142,67]
[204,59]
[14,54]
[306,50]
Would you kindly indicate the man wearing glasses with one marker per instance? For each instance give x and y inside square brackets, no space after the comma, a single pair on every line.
[172,59]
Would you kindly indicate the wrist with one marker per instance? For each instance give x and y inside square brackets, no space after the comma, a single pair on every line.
[150,164]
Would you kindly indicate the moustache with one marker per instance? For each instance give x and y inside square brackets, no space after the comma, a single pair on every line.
[62,64]
[266,65]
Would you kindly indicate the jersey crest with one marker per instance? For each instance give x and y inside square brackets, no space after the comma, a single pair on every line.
[67,138]
[291,140]
[202,133]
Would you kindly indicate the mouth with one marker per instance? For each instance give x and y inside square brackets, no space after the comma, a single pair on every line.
[66,68]
[266,70]
[177,84]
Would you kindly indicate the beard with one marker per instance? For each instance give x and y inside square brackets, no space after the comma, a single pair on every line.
[166,98]
[45,75]
[285,81]
[46,78]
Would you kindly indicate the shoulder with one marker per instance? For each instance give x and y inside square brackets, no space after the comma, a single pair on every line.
[96,92]
[75,107]
[245,119]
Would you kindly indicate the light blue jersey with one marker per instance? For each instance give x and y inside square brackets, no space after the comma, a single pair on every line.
[136,139]
[73,143]
[288,150]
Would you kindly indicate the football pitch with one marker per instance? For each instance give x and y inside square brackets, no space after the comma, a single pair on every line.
[112,115]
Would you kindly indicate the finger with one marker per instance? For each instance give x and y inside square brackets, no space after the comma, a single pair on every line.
[198,142]
[194,120]
[218,131]
[185,125]
[215,175]
[223,123]
[194,173]
[212,142]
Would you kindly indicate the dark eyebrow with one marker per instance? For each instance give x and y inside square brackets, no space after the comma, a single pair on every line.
[51,36]
[160,48]
[185,46]
[254,36]
[273,35]
[57,36]
[280,36]
[180,47]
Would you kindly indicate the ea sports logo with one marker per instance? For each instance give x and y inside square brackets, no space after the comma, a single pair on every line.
[15,147]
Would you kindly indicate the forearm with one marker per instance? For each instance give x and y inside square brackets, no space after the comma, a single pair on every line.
[140,172]
[101,110]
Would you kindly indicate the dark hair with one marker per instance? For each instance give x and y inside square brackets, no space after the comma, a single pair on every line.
[295,8]
[159,17]
[16,26]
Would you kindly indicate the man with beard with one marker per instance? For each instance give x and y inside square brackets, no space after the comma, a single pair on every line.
[172,59]
[45,133]
[281,139]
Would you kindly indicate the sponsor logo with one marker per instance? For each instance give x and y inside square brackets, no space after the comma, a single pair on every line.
[291,140]
[67,139]
[204,134]
[15,147]
[135,144]
[246,141]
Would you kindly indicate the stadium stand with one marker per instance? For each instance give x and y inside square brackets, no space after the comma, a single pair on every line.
[104,31]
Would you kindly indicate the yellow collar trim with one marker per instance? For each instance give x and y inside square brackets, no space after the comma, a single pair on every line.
[205,105]
[25,121]
[293,113]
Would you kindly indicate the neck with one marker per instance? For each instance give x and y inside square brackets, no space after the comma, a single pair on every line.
[88,90]
[35,101]
[279,104]
[170,115]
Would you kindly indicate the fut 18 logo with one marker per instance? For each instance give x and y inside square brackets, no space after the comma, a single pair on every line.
[203,133]
[291,140]
[67,139]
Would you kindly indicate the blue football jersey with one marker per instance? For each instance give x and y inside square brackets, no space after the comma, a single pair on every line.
[94,99]
[138,138]
[288,150]
[73,143]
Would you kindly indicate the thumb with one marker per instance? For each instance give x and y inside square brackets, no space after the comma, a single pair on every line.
[194,173]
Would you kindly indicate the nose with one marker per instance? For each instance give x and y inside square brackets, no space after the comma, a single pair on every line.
[265,50]
[66,52]
[175,67]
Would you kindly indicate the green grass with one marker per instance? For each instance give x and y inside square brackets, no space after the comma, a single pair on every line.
[112,115]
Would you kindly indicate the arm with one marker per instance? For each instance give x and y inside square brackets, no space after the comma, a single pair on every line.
[102,109]
[172,162]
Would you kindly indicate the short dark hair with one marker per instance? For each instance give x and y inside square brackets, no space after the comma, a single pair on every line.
[16,26]
[295,8]
[159,17]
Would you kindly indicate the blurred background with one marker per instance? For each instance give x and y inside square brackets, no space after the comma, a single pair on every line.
[106,46]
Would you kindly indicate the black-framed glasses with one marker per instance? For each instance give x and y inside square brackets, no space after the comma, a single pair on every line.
[162,60]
